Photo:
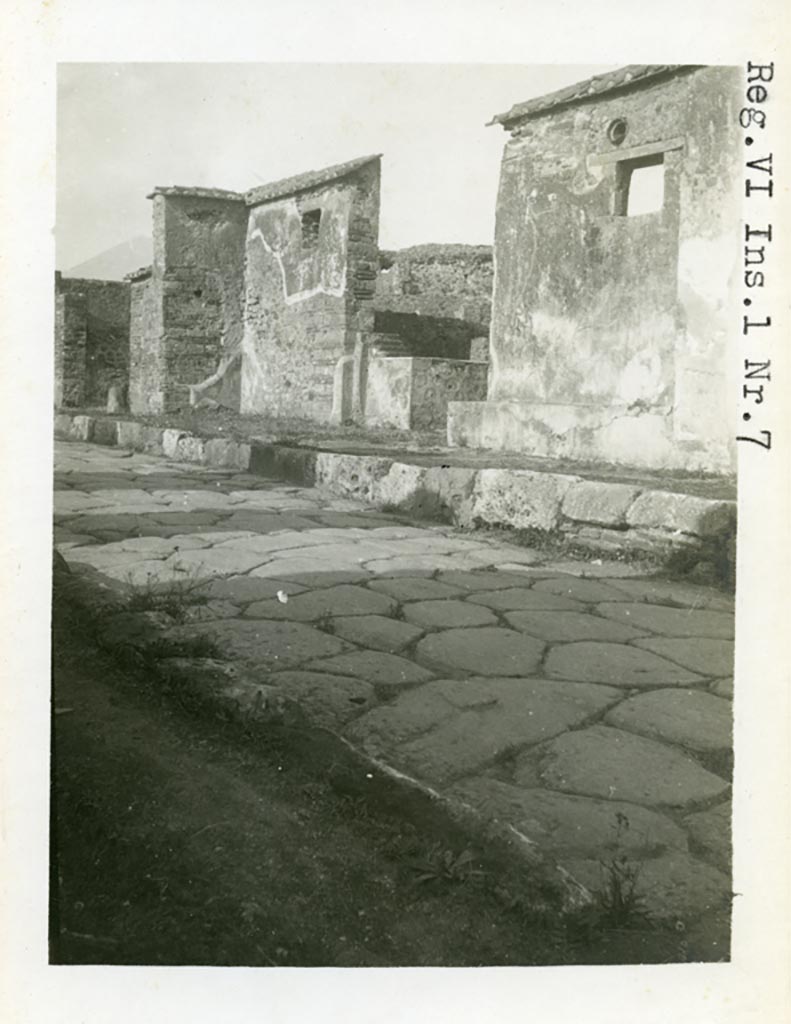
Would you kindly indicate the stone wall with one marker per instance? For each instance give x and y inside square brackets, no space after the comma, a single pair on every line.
[91,339]
[413,393]
[146,369]
[436,297]
[309,284]
[610,328]
[197,281]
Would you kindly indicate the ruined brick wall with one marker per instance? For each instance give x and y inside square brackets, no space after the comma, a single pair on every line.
[436,297]
[146,370]
[70,344]
[609,336]
[189,312]
[310,276]
[91,339]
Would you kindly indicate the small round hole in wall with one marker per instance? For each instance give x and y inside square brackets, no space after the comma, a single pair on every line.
[198,292]
[616,131]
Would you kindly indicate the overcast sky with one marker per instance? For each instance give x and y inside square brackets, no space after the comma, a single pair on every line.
[123,128]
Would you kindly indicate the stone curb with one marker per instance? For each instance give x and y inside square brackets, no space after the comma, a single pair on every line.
[601,515]
[235,694]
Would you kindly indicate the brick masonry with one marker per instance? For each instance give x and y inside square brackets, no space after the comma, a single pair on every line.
[91,339]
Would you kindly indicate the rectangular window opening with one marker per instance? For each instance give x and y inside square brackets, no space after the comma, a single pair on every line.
[311,220]
[640,186]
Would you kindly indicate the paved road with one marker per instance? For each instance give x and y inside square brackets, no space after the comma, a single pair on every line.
[587,706]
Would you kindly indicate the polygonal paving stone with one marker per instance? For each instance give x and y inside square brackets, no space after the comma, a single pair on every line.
[487,650]
[492,554]
[518,598]
[343,600]
[406,588]
[579,589]
[492,718]
[303,565]
[108,556]
[265,522]
[216,561]
[328,701]
[573,825]
[605,762]
[265,644]
[616,664]
[195,612]
[190,500]
[708,657]
[148,572]
[710,832]
[448,614]
[245,589]
[556,627]
[477,581]
[377,631]
[675,886]
[329,578]
[65,540]
[690,595]
[129,524]
[722,688]
[193,520]
[410,713]
[376,667]
[671,621]
[596,569]
[686,717]
[407,564]
[274,543]
[404,532]
[77,502]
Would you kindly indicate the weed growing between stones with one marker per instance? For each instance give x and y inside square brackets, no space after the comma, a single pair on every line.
[618,899]
[172,598]
[445,865]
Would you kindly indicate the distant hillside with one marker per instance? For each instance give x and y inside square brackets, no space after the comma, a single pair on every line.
[113,264]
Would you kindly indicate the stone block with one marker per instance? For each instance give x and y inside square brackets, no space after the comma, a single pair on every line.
[354,476]
[105,432]
[685,513]
[62,425]
[401,486]
[82,428]
[450,488]
[227,454]
[519,498]
[153,440]
[170,442]
[190,449]
[604,504]
[130,434]
[281,462]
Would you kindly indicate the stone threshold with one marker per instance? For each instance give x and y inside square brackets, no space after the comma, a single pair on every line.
[603,516]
